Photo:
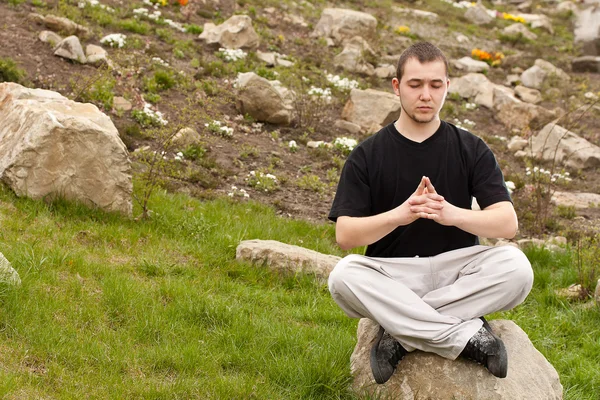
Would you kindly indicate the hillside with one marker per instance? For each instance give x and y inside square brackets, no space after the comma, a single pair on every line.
[163,63]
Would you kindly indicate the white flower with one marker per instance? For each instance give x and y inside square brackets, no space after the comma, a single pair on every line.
[114,39]
[232,54]
[340,83]
[345,143]
[292,144]
[510,185]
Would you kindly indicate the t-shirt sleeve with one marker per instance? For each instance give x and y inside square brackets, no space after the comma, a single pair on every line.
[353,195]
[488,185]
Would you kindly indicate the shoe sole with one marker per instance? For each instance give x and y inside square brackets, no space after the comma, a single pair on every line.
[498,363]
[374,368]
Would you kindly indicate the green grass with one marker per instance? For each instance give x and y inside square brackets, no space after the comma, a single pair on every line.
[116,308]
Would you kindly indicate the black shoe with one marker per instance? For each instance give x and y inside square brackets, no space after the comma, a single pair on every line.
[386,353]
[487,349]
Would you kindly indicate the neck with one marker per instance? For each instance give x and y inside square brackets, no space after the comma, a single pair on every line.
[416,131]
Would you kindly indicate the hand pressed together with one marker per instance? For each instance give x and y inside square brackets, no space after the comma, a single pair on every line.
[427,203]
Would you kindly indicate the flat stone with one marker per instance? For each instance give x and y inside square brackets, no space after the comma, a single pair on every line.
[50,37]
[285,257]
[121,104]
[586,64]
[578,200]
[70,48]
[8,274]
[528,95]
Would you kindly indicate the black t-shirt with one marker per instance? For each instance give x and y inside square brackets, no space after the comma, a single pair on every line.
[385,170]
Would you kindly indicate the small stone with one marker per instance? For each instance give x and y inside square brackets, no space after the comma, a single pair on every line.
[121,104]
[71,49]
[50,37]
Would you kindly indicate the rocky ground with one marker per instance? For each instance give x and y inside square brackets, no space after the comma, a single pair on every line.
[173,64]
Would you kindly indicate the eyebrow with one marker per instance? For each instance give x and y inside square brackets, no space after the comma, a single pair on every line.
[416,80]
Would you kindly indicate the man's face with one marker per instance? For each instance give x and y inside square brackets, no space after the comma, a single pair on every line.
[422,90]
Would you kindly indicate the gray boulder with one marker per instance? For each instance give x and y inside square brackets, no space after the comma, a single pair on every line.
[341,24]
[8,275]
[586,64]
[423,376]
[478,15]
[554,142]
[235,33]
[353,57]
[70,48]
[360,111]
[51,146]
[587,29]
[285,257]
[578,200]
[264,100]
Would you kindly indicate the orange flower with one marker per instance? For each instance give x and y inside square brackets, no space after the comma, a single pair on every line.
[183,2]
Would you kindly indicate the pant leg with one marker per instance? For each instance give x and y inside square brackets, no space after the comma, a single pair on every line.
[389,291]
[492,279]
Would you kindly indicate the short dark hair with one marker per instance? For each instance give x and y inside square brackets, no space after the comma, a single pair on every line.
[424,52]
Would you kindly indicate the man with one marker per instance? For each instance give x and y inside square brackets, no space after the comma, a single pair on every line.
[406,192]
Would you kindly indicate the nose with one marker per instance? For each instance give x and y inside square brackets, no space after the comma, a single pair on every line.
[425,94]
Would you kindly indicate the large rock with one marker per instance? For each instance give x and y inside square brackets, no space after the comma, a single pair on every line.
[478,15]
[70,48]
[528,95]
[8,275]
[423,376]
[586,64]
[467,64]
[286,257]
[341,24]
[354,57]
[65,25]
[519,29]
[51,146]
[576,199]
[481,90]
[587,29]
[538,21]
[360,111]
[534,77]
[524,115]
[264,100]
[235,33]
[554,142]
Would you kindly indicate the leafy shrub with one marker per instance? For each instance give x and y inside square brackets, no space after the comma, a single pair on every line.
[10,72]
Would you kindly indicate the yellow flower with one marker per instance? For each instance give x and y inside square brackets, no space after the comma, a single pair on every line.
[163,2]
[402,29]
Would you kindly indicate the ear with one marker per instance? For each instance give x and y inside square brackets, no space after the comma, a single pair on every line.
[396,86]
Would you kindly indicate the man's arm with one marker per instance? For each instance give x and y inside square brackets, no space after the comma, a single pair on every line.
[351,232]
[496,221]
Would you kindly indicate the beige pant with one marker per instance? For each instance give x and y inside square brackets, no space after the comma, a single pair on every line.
[432,303]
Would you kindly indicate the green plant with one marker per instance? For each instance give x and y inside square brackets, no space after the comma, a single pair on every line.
[162,79]
[10,72]
[165,35]
[248,151]
[312,182]
[152,97]
[194,29]
[567,212]
[263,182]
[588,262]
[194,152]
[135,26]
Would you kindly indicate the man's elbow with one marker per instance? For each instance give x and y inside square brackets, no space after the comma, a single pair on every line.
[343,241]
[511,227]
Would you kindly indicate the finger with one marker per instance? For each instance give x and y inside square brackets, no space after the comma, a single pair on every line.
[424,199]
[428,210]
[421,187]
[425,215]
[429,186]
